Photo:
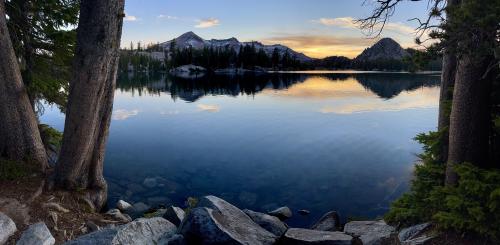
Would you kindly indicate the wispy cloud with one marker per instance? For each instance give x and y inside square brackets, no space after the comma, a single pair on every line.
[123,114]
[167,17]
[209,108]
[350,23]
[320,46]
[207,23]
[130,18]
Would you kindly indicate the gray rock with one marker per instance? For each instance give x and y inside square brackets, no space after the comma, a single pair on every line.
[329,222]
[370,232]
[150,182]
[218,222]
[37,234]
[175,215]
[268,222]
[15,210]
[123,206]
[282,213]
[7,228]
[138,232]
[91,226]
[414,235]
[413,231]
[176,239]
[296,236]
[117,215]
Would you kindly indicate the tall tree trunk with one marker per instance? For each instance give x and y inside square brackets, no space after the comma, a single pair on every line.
[90,102]
[446,92]
[470,116]
[29,51]
[20,138]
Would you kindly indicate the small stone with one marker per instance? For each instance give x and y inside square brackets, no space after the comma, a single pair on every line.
[282,213]
[37,234]
[7,228]
[413,231]
[296,236]
[329,222]
[304,212]
[123,206]
[117,215]
[92,226]
[175,215]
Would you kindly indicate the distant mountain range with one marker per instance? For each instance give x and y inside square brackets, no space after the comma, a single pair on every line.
[386,48]
[190,39]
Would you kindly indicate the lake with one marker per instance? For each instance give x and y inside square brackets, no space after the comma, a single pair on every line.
[319,141]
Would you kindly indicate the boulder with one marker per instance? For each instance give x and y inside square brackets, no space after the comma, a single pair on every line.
[7,228]
[370,232]
[216,221]
[175,215]
[139,232]
[414,235]
[123,206]
[282,213]
[15,210]
[268,222]
[296,236]
[37,234]
[117,215]
[329,222]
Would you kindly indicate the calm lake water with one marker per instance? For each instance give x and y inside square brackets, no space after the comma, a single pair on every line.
[317,141]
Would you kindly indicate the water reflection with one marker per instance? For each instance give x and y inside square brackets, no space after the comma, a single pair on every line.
[384,85]
[310,141]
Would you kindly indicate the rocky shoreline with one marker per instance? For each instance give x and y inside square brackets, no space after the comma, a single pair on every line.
[213,220]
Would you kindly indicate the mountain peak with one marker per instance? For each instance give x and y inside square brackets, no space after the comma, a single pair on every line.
[385,48]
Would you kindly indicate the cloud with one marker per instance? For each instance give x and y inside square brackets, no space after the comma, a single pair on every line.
[130,18]
[320,46]
[169,113]
[209,108]
[123,114]
[207,23]
[350,23]
[167,17]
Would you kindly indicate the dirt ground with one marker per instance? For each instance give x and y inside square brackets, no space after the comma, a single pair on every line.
[27,201]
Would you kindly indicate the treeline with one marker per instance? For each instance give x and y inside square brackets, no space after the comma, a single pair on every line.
[139,62]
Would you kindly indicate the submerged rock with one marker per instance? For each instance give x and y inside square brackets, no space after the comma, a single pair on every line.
[7,228]
[140,207]
[150,182]
[370,232]
[329,222]
[37,234]
[282,213]
[268,222]
[304,212]
[176,239]
[216,221]
[138,232]
[296,236]
[175,215]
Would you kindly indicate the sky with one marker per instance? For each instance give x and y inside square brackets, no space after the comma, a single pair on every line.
[318,28]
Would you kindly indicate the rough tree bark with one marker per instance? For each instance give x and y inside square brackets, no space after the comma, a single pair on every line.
[80,165]
[446,92]
[470,116]
[19,135]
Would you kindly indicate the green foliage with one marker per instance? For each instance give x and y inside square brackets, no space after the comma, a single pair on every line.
[43,35]
[50,136]
[12,170]
[473,206]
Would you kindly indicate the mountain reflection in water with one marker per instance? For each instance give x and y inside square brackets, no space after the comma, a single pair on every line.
[319,142]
